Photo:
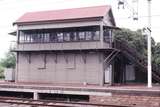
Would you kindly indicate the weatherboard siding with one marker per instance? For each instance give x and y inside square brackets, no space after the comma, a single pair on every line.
[66,68]
[62,46]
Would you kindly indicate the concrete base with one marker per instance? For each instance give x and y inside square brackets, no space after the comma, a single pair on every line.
[35,96]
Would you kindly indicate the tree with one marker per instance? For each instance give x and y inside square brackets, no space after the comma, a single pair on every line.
[135,39]
[139,41]
[1,72]
[156,57]
[9,61]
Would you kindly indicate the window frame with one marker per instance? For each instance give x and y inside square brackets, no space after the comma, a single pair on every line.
[59,35]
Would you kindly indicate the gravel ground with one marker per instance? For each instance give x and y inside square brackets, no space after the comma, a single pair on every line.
[15,105]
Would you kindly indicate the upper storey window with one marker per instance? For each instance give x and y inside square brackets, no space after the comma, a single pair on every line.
[59,35]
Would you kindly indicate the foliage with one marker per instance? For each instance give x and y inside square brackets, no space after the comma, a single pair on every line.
[1,72]
[9,61]
[139,41]
[156,57]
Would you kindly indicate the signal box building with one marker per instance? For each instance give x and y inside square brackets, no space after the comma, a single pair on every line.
[70,46]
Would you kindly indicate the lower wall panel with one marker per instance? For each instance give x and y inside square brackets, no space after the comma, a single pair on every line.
[60,68]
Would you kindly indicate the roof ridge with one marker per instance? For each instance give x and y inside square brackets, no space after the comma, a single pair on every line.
[71,8]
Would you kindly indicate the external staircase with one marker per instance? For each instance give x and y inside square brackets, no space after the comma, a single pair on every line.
[131,53]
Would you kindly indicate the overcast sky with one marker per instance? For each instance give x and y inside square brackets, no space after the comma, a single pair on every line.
[11,10]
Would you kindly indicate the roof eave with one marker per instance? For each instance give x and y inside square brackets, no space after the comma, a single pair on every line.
[59,21]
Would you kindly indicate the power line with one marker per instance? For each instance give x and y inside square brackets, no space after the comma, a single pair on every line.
[158,15]
[132,9]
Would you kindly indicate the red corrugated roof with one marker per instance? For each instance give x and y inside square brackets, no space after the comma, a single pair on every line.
[75,13]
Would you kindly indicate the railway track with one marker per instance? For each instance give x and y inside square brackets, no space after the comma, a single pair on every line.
[52,103]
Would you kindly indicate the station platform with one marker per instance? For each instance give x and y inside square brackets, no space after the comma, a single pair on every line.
[80,89]
[132,95]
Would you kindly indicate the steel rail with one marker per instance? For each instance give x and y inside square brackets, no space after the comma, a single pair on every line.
[53,103]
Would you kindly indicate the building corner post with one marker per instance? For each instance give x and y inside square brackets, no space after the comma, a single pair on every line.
[101,34]
[101,43]
[17,60]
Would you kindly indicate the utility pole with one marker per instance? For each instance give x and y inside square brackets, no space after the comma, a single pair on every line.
[149,46]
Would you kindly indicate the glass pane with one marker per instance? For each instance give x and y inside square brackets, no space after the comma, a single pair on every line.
[39,37]
[46,37]
[53,37]
[27,39]
[67,37]
[60,37]
[34,38]
[88,35]
[31,39]
[96,35]
[106,35]
[81,36]
[74,36]
[21,37]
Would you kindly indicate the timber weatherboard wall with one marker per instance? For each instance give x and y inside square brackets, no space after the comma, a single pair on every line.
[61,46]
[79,23]
[58,68]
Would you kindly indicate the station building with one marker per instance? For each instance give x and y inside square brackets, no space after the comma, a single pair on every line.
[70,46]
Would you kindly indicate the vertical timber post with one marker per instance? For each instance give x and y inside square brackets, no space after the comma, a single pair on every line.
[113,71]
[101,34]
[17,58]
[17,67]
[101,42]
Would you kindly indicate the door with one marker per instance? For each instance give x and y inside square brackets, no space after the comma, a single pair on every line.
[108,74]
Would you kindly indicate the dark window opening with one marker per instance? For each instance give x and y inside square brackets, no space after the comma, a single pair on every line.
[107,35]
[64,97]
[53,37]
[16,94]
